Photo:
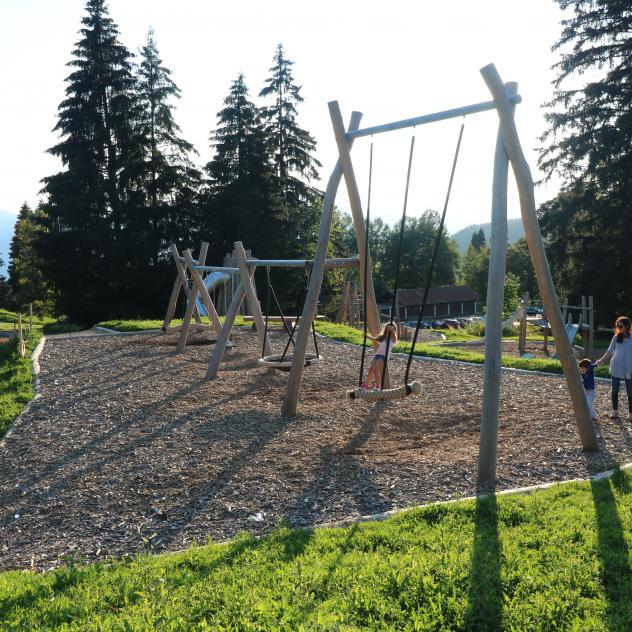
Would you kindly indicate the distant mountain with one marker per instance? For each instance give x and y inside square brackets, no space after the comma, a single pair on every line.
[515,231]
[7,222]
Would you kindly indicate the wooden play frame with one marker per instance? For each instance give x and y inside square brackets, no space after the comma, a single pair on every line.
[247,290]
[190,268]
[508,150]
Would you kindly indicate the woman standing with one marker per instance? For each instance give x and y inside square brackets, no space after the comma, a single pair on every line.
[620,355]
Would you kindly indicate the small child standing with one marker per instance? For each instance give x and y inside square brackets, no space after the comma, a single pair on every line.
[587,369]
[377,366]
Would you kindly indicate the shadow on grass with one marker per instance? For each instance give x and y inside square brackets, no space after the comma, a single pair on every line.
[613,551]
[485,594]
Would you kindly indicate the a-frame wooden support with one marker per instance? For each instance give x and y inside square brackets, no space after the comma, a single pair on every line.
[245,290]
[181,283]
[509,143]
[508,150]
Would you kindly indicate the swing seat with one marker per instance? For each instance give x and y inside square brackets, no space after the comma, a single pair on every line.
[376,395]
[285,363]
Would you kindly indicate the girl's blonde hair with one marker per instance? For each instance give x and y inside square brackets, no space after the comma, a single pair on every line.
[388,327]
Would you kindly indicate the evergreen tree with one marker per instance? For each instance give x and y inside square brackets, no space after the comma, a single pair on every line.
[290,145]
[478,240]
[26,279]
[242,203]
[416,253]
[474,270]
[170,178]
[520,266]
[168,181]
[588,225]
[88,203]
[5,291]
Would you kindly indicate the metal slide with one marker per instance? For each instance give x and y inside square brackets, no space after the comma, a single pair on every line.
[571,331]
[211,282]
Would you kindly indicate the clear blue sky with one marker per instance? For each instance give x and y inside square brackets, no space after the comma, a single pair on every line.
[389,60]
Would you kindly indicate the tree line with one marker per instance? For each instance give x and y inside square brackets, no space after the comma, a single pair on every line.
[97,246]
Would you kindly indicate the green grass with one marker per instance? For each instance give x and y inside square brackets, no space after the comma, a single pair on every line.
[348,334]
[557,559]
[16,379]
[144,325]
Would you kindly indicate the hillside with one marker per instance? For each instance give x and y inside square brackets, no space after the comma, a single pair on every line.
[7,221]
[463,237]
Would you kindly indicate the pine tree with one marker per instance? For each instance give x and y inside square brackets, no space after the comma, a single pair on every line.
[89,203]
[290,145]
[26,279]
[169,182]
[588,226]
[478,240]
[170,178]
[242,203]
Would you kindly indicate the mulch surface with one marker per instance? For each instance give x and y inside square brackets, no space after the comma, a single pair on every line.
[129,449]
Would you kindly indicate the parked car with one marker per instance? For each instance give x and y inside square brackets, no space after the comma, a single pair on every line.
[534,311]
[452,323]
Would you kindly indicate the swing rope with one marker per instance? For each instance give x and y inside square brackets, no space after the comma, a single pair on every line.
[399,258]
[415,387]
[366,266]
[271,292]
[308,271]
[434,255]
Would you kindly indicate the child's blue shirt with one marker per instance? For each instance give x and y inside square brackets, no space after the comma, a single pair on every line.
[588,378]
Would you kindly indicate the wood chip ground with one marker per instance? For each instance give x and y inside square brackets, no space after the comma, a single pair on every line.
[129,449]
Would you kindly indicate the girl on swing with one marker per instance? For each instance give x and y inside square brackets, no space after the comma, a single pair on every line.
[377,365]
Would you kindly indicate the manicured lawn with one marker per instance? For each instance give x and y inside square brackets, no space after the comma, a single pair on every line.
[348,334]
[557,559]
[144,325]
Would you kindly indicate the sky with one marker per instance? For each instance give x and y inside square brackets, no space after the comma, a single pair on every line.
[390,61]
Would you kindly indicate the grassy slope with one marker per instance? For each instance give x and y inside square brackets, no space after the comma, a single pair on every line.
[554,560]
[16,380]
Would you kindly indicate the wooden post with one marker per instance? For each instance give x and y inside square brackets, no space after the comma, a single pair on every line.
[355,319]
[340,312]
[344,153]
[186,321]
[251,297]
[565,312]
[21,345]
[316,279]
[180,282]
[203,292]
[494,317]
[224,334]
[522,332]
[30,317]
[524,183]
[545,342]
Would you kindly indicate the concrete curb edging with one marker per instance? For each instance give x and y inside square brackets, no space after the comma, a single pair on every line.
[35,367]
[378,517]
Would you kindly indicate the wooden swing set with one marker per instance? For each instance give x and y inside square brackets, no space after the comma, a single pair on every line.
[508,150]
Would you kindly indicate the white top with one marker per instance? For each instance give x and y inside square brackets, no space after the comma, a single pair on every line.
[621,363]
[381,350]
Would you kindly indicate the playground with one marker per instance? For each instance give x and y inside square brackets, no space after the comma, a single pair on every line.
[128,448]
